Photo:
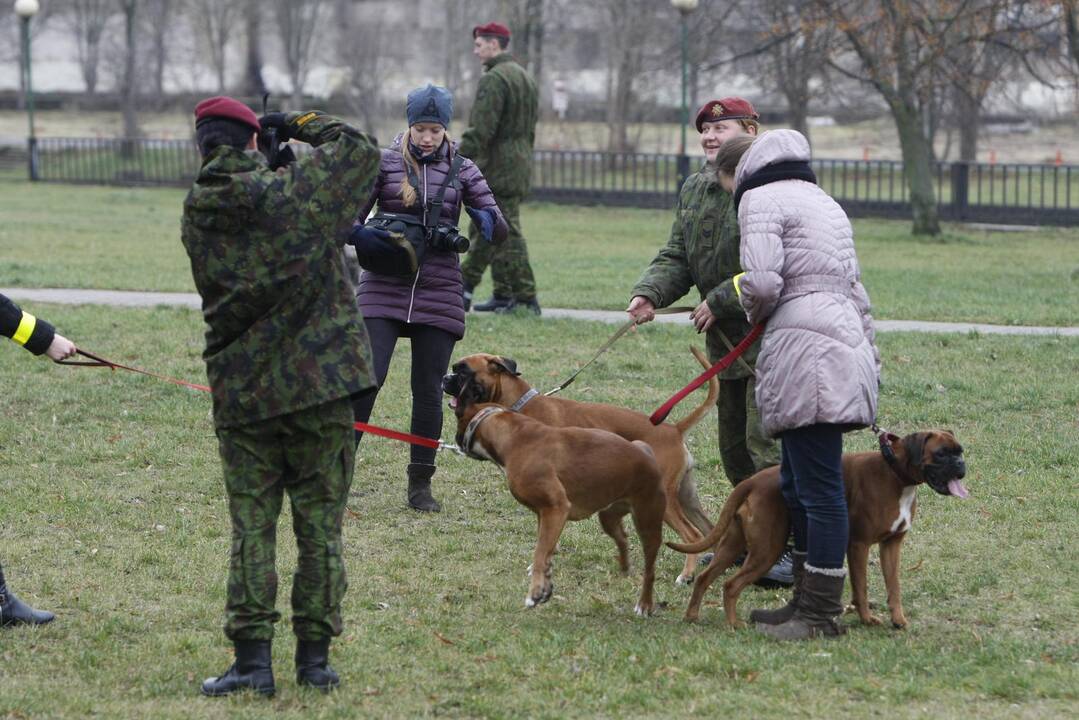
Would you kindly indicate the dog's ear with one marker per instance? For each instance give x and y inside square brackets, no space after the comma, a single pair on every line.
[914,445]
[505,364]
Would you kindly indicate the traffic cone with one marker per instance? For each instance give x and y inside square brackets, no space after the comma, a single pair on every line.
[992,157]
[1059,158]
[865,153]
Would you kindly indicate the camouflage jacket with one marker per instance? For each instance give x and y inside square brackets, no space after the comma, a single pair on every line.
[703,251]
[283,329]
[502,127]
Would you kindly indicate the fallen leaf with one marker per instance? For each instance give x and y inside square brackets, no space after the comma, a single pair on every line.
[917,566]
[443,638]
[351,512]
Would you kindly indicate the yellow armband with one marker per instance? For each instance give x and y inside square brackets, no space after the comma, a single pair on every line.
[737,281]
[25,329]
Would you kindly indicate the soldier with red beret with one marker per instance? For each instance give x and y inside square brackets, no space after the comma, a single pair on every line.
[703,251]
[499,139]
[286,350]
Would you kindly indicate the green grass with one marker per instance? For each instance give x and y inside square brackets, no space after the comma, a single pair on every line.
[119,238]
[113,515]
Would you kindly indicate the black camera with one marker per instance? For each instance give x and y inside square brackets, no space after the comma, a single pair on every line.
[448,238]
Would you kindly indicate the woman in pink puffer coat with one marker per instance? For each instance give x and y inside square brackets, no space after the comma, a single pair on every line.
[818,370]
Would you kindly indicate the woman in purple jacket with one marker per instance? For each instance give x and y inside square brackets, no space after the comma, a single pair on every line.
[428,306]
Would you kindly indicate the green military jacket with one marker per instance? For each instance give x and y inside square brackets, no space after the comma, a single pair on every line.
[502,127]
[283,329]
[703,251]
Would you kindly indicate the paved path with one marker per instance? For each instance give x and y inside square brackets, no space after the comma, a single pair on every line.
[125,298]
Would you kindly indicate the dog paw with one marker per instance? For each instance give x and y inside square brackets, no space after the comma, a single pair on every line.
[643,610]
[683,580]
[900,624]
[870,620]
[529,602]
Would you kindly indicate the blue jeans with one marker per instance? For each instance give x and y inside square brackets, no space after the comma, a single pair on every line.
[811,479]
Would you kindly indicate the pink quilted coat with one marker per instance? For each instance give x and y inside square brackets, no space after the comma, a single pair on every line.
[818,362]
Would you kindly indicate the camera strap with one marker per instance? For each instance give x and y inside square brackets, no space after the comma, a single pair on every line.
[433,211]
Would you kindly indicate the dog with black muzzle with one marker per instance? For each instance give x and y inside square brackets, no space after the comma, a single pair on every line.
[564,474]
[498,381]
[881,491]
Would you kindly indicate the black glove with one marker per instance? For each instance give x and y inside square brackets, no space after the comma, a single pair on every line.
[277,121]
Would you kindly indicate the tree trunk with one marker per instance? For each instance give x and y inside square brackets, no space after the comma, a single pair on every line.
[797,109]
[1071,28]
[534,14]
[618,107]
[128,89]
[252,83]
[918,169]
[967,122]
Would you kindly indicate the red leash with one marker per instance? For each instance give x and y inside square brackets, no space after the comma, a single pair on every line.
[724,362]
[98,361]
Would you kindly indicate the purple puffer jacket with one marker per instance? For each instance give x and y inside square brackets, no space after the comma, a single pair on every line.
[434,295]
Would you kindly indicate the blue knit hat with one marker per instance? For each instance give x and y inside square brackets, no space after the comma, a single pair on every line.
[430,103]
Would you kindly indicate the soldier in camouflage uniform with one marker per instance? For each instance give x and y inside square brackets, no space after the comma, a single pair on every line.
[286,348]
[703,251]
[499,139]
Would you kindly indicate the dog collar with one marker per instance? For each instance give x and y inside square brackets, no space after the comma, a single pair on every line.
[473,425]
[523,400]
[885,439]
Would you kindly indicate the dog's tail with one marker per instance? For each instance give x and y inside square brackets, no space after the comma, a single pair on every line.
[726,517]
[694,417]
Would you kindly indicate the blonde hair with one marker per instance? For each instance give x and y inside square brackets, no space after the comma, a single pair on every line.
[730,152]
[408,192]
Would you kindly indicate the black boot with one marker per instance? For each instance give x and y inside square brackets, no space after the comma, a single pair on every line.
[313,665]
[14,611]
[820,604]
[251,671]
[781,615]
[514,306]
[466,296]
[419,488]
[495,304]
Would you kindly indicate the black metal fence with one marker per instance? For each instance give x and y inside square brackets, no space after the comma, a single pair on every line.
[998,193]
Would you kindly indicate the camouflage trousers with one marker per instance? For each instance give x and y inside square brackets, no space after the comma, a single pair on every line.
[309,455]
[510,271]
[744,449]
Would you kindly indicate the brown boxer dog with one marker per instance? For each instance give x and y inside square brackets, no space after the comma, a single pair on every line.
[881,499]
[499,382]
[564,474]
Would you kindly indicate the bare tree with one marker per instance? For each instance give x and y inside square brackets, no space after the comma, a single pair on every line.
[87,20]
[252,83]
[631,26]
[298,22]
[217,20]
[899,45]
[157,23]
[128,82]
[1070,16]
[794,44]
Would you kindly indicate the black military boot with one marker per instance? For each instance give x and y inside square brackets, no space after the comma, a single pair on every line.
[313,665]
[820,604]
[419,488]
[785,613]
[495,304]
[466,296]
[14,611]
[251,671]
[531,306]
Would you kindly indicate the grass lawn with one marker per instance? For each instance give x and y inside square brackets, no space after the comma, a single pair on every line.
[116,238]
[113,516]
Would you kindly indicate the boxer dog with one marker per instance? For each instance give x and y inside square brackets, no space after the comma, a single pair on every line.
[564,474]
[498,381]
[881,498]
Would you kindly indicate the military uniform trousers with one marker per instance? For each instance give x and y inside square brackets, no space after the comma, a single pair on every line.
[309,454]
[511,272]
[744,449]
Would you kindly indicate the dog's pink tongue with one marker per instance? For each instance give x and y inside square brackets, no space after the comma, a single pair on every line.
[957,488]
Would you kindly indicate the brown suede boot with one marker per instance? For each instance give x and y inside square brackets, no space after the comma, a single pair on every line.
[820,603]
[778,616]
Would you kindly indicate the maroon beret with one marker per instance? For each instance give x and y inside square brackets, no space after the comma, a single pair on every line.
[225,107]
[731,108]
[491,29]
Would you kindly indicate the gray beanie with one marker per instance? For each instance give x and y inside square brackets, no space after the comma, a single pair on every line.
[430,103]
